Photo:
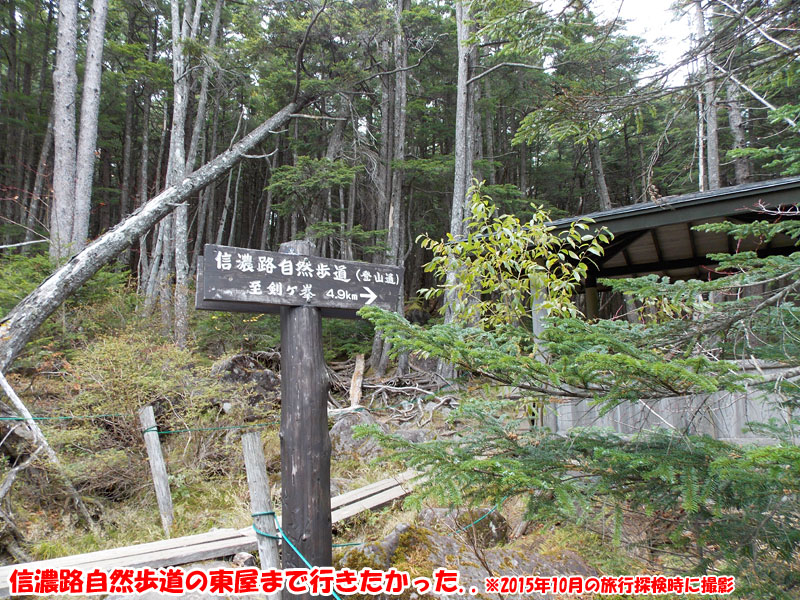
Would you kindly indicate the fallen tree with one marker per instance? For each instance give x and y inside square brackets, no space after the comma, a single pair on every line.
[19,325]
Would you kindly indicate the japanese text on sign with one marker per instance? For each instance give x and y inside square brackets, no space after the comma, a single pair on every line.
[254,276]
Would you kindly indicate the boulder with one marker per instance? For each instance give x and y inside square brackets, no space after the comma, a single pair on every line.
[419,550]
[343,442]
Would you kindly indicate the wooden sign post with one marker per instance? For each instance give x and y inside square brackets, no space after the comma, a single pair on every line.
[303,288]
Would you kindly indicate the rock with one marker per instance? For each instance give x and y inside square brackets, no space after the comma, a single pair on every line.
[344,445]
[485,526]
[244,559]
[419,550]
[416,436]
[247,369]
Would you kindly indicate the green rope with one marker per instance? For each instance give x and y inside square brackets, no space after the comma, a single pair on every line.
[343,544]
[226,427]
[296,551]
[267,513]
[264,533]
[63,418]
[479,519]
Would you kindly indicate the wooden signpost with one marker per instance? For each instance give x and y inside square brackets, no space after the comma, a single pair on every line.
[303,288]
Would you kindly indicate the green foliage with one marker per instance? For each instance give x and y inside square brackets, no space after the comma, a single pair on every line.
[301,183]
[503,265]
[709,505]
[105,303]
[223,332]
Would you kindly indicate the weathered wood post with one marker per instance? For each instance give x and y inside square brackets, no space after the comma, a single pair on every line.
[261,503]
[157,466]
[305,443]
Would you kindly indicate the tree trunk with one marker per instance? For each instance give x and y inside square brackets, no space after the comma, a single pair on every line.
[701,144]
[143,267]
[712,137]
[19,325]
[87,134]
[65,84]
[465,121]
[598,174]
[38,183]
[395,220]
[742,166]
[176,167]
[200,117]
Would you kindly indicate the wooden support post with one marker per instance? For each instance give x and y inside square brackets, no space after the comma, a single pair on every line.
[157,466]
[591,296]
[260,502]
[305,444]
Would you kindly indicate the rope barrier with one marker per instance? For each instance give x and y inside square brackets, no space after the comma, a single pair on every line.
[479,519]
[282,536]
[64,418]
[296,551]
[191,429]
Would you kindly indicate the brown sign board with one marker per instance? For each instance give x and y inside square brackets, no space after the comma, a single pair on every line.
[247,280]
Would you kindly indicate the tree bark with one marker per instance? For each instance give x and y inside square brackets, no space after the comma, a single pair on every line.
[87,134]
[19,325]
[395,220]
[598,174]
[200,117]
[701,144]
[743,168]
[38,183]
[65,84]
[712,136]
[465,121]
[176,167]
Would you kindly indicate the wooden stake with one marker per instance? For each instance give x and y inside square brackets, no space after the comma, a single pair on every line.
[260,502]
[355,383]
[305,444]
[157,466]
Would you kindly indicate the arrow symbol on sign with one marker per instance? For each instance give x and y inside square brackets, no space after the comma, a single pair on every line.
[370,294]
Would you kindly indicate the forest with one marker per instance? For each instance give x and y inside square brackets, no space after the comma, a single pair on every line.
[137,131]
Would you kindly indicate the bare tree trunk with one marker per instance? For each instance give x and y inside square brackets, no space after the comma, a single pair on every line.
[19,325]
[347,251]
[465,121]
[176,167]
[38,183]
[65,85]
[712,137]
[143,267]
[701,143]
[598,174]
[395,217]
[87,134]
[127,143]
[741,164]
[200,117]
[488,134]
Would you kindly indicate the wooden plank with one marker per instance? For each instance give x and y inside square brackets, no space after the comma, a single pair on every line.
[373,488]
[369,503]
[213,544]
[176,556]
[128,551]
